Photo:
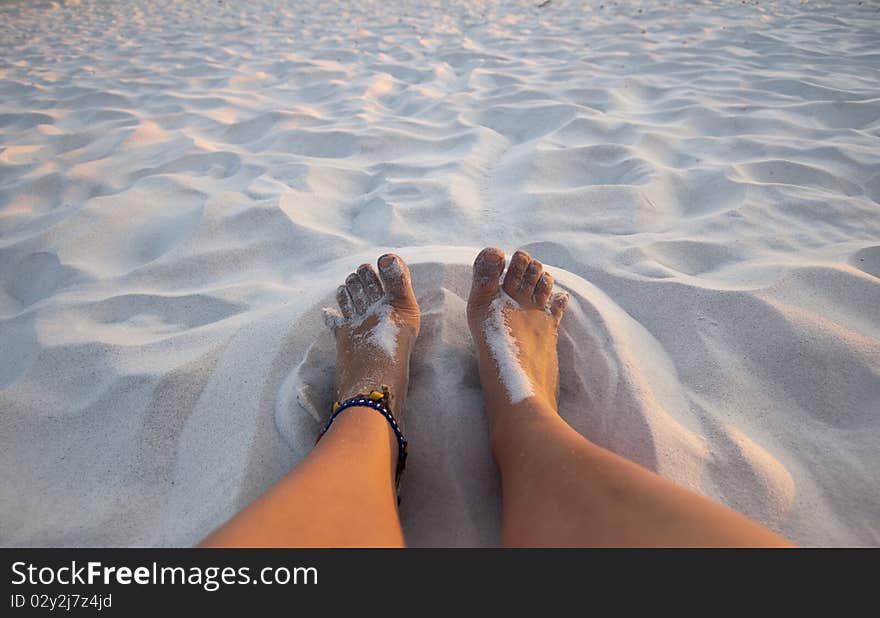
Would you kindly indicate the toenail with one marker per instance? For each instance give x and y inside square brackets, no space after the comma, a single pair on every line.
[386,260]
[492,256]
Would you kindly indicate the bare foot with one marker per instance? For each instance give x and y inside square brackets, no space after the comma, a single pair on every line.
[515,326]
[377,323]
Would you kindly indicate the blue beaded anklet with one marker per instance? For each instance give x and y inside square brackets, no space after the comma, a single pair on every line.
[373,401]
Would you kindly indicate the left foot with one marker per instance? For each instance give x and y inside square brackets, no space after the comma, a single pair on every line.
[375,331]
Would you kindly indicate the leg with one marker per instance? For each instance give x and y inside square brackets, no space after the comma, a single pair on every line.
[558,487]
[342,493]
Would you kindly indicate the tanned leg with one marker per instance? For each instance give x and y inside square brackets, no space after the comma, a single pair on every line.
[560,489]
[343,494]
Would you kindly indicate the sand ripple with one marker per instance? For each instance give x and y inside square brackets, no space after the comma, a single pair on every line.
[181,183]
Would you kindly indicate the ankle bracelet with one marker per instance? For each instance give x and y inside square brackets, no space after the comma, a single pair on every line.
[375,400]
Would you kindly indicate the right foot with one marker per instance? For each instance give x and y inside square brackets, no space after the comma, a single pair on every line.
[515,325]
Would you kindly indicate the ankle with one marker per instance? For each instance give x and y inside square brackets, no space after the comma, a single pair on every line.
[362,428]
[511,424]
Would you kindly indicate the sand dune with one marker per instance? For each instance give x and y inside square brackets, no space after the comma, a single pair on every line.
[183,184]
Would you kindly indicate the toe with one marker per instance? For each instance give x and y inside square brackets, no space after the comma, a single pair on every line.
[357,293]
[397,281]
[344,302]
[514,275]
[488,267]
[530,279]
[542,290]
[371,283]
[558,304]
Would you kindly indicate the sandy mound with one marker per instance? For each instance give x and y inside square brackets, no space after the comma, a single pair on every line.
[617,387]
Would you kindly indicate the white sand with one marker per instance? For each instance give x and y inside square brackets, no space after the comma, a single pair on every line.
[184,184]
[382,330]
[504,349]
[383,335]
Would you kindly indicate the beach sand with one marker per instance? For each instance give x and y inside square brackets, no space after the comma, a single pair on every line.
[184,184]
